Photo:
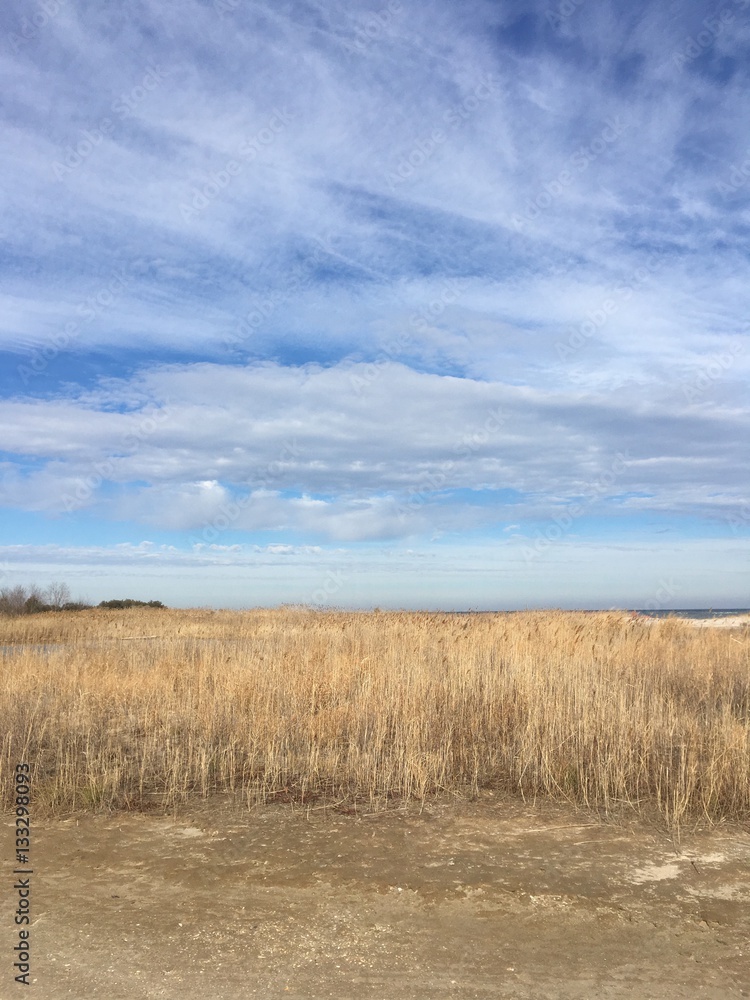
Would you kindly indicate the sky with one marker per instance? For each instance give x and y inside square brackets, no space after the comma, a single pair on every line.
[397,304]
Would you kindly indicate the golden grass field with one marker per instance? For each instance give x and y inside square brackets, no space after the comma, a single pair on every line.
[125,709]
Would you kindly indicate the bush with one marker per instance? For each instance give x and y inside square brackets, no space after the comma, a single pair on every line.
[129,602]
[34,605]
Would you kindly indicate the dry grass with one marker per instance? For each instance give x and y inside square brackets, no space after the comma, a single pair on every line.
[351,708]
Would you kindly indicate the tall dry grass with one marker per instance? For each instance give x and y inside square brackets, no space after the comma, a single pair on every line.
[365,707]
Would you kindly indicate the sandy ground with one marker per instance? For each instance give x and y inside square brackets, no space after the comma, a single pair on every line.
[491,899]
[731,621]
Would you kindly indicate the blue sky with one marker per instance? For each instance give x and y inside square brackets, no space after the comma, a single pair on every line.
[418,305]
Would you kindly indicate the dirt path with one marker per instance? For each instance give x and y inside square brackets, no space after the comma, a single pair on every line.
[480,901]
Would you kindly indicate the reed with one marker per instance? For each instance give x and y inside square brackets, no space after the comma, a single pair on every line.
[368,707]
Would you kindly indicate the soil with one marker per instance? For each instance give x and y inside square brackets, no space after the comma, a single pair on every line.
[492,899]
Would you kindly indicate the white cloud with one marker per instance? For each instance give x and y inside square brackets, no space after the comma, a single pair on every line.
[341,256]
[356,451]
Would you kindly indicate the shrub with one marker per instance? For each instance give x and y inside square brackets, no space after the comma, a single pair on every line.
[129,602]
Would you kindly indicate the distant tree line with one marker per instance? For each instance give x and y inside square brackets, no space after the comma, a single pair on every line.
[128,602]
[20,600]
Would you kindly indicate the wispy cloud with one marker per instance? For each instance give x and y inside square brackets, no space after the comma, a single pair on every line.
[317,245]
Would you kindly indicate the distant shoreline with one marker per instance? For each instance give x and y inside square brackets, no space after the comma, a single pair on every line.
[732,615]
[695,613]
